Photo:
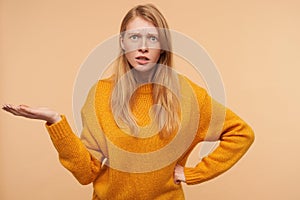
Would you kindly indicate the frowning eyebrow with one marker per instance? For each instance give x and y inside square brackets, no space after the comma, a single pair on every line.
[140,32]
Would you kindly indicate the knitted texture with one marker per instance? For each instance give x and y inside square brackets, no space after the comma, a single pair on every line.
[84,156]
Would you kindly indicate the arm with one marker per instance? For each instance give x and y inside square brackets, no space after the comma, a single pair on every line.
[235,138]
[73,154]
[81,156]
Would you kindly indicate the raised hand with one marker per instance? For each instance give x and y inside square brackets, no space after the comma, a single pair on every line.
[41,113]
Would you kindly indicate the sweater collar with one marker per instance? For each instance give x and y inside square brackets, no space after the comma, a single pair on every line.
[145,88]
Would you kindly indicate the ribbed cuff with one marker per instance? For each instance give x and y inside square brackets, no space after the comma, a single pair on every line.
[191,176]
[60,129]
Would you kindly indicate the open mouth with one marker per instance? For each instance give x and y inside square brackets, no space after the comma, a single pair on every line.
[142,58]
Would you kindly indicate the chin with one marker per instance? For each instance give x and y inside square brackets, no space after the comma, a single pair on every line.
[143,68]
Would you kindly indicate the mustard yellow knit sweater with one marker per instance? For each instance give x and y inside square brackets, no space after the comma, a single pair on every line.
[84,156]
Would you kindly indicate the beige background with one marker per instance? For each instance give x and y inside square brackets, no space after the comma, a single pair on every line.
[255,45]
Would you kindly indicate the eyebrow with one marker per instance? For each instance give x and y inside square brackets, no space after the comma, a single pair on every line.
[138,32]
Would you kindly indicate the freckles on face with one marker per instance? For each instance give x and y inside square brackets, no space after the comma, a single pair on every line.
[141,44]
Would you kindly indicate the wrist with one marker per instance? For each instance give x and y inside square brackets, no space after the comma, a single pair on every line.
[179,174]
[56,118]
[181,177]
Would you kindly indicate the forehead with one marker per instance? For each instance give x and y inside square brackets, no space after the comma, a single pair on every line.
[140,25]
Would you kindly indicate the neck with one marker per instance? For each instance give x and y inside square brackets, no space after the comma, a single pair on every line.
[144,77]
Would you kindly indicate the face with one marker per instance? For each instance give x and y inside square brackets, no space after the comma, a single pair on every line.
[141,44]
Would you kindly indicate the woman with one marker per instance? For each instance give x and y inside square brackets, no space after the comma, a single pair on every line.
[116,114]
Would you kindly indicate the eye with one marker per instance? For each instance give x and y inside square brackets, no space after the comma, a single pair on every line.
[134,37]
[153,39]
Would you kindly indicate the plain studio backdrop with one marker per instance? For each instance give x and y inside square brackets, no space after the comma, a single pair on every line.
[255,45]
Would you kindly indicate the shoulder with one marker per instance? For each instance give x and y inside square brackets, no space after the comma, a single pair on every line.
[101,89]
[106,83]
[199,91]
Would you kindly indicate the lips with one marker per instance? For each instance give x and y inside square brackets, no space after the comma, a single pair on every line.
[142,60]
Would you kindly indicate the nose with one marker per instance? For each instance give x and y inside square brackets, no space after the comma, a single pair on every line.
[143,47]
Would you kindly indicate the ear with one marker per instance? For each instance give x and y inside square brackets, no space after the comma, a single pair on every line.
[122,43]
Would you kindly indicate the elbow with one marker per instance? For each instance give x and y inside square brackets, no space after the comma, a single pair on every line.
[249,136]
[84,180]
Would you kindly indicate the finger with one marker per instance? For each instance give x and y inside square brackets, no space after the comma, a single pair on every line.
[27,109]
[25,112]
[30,112]
[12,111]
[24,109]
[10,106]
[176,181]
[17,111]
[22,114]
[6,106]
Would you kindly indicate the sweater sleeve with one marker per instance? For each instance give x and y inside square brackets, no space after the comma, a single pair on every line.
[234,134]
[81,156]
[73,154]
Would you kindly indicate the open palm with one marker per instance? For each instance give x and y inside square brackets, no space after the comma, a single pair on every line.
[41,113]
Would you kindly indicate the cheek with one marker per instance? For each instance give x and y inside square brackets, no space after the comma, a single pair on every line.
[130,57]
[156,54]
[128,48]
